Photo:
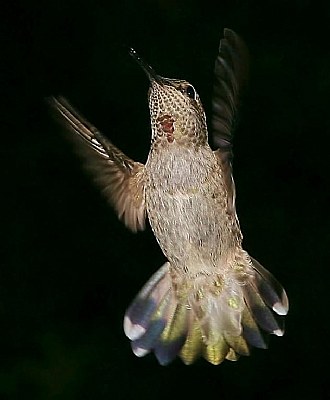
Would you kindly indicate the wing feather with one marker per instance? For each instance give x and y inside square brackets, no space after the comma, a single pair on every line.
[231,72]
[120,178]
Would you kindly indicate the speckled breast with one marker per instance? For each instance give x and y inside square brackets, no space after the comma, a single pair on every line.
[186,204]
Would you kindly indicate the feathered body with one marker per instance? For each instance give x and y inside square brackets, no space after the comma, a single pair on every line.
[210,298]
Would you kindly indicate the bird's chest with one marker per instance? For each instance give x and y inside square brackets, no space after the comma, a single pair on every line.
[186,200]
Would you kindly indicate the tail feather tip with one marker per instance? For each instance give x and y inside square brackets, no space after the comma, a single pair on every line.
[133,331]
[139,351]
[280,309]
[279,332]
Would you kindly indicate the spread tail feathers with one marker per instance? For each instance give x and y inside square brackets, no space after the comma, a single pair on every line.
[218,326]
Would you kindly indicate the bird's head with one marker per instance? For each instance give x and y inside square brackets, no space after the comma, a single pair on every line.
[176,112]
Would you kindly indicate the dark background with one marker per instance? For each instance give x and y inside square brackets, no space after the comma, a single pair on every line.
[69,268]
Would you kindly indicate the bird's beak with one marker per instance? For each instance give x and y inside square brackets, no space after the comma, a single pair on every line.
[150,72]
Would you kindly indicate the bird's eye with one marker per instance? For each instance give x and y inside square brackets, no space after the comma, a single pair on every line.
[190,91]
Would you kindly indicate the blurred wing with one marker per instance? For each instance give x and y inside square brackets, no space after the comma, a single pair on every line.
[121,179]
[231,73]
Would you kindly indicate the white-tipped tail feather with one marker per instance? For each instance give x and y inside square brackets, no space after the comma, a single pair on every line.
[217,325]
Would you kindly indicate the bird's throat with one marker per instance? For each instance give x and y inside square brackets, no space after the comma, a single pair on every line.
[166,123]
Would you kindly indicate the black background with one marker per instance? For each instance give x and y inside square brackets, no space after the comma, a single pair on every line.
[69,268]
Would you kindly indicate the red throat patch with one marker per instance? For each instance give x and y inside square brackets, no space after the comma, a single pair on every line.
[166,122]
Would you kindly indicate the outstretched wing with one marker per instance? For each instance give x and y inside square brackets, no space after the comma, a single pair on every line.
[120,178]
[231,73]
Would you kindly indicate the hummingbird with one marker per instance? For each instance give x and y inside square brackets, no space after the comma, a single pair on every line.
[210,299]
